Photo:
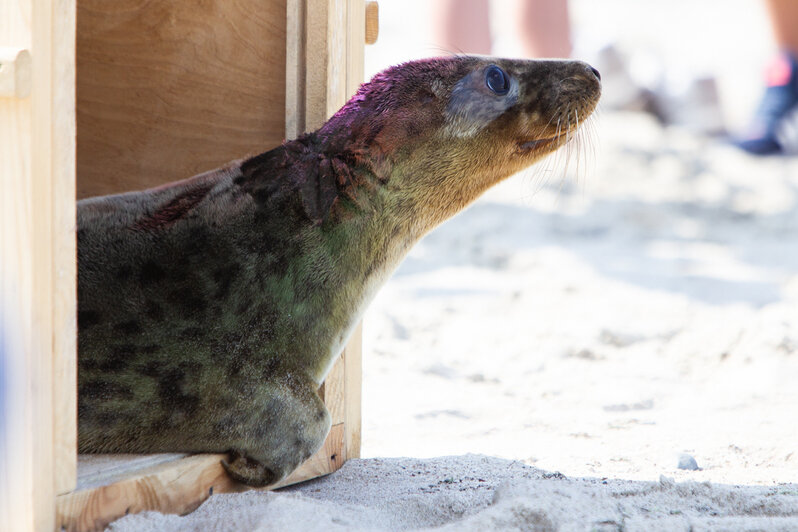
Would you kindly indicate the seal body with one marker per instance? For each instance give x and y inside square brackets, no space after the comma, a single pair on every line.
[211,309]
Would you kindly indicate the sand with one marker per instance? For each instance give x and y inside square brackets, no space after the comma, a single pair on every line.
[603,327]
[548,359]
[479,493]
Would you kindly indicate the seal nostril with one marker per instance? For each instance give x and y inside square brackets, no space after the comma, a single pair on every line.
[596,72]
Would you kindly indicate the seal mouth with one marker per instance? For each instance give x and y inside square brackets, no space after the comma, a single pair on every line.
[539,144]
[532,144]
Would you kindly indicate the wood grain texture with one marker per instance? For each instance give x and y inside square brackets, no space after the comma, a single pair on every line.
[97,470]
[35,157]
[65,390]
[44,123]
[174,487]
[333,391]
[166,90]
[324,68]
[15,72]
[316,63]
[353,385]
[372,25]
[322,36]
[353,353]
[337,61]
[17,484]
[295,68]
[355,50]
[166,483]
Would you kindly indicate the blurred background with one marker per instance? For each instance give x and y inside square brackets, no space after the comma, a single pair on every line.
[666,44]
[628,307]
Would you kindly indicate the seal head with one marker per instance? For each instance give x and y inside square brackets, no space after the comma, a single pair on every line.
[452,127]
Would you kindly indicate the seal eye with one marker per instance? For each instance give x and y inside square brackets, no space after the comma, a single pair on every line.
[497,80]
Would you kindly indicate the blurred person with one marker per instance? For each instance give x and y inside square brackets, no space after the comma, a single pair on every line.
[542,27]
[775,122]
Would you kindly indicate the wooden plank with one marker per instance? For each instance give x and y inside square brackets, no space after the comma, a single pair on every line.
[337,61]
[353,374]
[15,72]
[324,67]
[170,484]
[17,483]
[44,148]
[35,138]
[372,22]
[353,383]
[97,470]
[316,63]
[65,391]
[355,48]
[176,487]
[295,68]
[167,89]
[324,36]
[333,391]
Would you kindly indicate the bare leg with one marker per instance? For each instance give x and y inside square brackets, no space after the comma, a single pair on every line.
[543,27]
[462,26]
[784,21]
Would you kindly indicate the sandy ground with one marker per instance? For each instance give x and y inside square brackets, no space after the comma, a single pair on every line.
[478,493]
[584,329]
[604,328]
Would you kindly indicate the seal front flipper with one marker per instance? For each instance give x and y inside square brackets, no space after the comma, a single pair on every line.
[281,427]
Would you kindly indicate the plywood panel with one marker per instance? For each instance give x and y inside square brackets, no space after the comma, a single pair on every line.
[167,89]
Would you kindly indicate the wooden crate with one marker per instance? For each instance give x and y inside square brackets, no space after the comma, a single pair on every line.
[143,97]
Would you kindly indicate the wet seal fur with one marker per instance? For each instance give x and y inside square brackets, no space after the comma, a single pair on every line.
[210,310]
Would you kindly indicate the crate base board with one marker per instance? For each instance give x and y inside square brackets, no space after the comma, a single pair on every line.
[112,486]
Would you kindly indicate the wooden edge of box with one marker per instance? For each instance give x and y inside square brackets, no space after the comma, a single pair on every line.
[177,487]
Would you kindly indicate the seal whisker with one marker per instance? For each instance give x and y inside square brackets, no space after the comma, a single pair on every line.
[591,137]
[591,134]
[565,155]
[568,146]
[578,149]
[579,144]
[588,147]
